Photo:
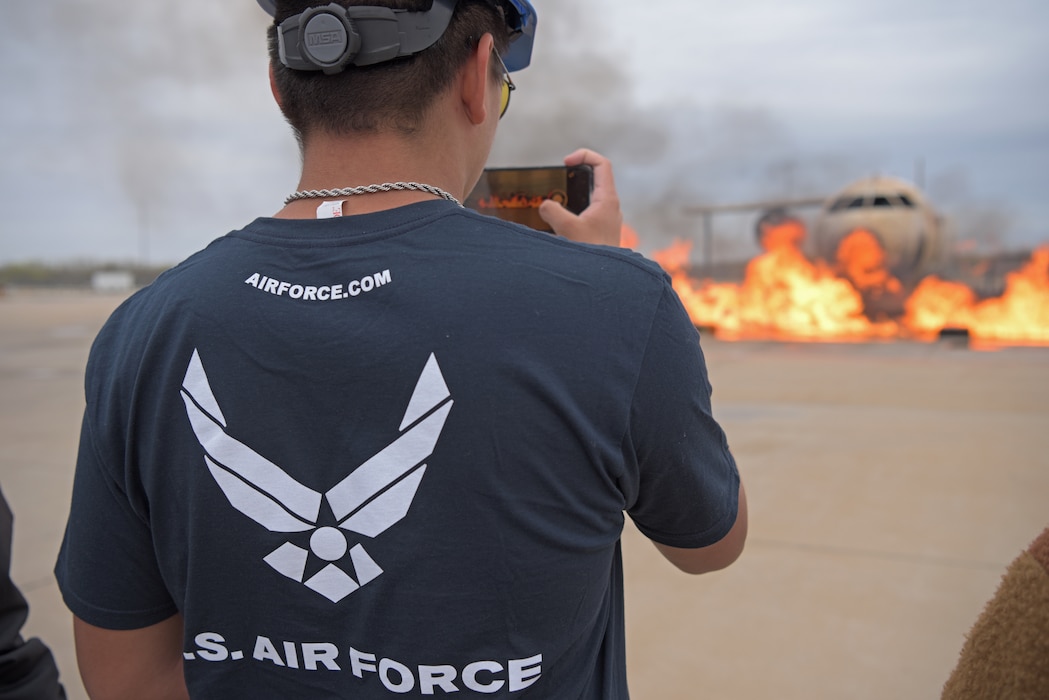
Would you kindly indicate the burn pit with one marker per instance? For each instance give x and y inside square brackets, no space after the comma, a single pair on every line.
[786,296]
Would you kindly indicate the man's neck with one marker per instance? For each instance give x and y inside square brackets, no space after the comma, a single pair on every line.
[373,159]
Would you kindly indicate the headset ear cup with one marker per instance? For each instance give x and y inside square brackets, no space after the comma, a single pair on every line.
[321,38]
[328,38]
[330,41]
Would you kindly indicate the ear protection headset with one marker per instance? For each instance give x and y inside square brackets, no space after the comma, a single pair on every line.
[331,37]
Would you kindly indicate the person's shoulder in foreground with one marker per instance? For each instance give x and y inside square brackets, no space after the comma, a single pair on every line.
[27,667]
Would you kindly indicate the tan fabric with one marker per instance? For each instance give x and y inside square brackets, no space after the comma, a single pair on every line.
[1006,654]
[1040,550]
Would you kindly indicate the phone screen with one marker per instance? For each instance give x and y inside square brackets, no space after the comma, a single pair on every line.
[514,194]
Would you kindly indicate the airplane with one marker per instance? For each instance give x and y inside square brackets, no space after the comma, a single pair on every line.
[895,211]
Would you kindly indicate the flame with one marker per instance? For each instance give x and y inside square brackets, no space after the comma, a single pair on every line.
[1020,315]
[936,305]
[861,260]
[785,296]
[628,237]
[520,201]
[786,233]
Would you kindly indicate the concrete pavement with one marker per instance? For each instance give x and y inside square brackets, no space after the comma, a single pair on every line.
[889,486]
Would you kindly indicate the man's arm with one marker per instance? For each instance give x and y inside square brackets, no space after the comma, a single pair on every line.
[716,556]
[131,664]
[602,223]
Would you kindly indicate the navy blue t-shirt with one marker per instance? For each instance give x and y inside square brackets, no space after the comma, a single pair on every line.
[389,455]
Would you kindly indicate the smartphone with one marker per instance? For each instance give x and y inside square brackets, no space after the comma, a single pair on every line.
[514,194]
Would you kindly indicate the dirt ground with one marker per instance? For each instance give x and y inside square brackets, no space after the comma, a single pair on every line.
[889,487]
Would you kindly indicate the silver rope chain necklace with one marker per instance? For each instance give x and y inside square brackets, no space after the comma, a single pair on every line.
[372,189]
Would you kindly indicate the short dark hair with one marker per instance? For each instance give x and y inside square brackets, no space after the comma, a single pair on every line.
[387,96]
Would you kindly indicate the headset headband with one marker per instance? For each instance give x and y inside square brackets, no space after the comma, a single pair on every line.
[330,38]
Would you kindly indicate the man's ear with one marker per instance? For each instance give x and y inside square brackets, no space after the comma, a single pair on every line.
[476,83]
[274,90]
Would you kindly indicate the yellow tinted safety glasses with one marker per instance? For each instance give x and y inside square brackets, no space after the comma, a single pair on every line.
[507,86]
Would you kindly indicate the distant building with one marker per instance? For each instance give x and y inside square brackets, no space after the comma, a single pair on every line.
[112,281]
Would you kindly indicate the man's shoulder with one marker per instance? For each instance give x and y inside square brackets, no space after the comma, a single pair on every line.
[520,239]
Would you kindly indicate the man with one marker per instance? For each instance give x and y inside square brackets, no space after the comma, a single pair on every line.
[380,445]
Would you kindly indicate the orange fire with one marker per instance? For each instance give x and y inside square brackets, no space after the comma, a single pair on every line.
[519,201]
[628,237]
[861,260]
[785,296]
[1020,315]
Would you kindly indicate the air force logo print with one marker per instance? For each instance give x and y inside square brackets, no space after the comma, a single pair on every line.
[370,500]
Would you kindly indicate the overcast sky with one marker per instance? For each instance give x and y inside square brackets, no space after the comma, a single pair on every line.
[144,130]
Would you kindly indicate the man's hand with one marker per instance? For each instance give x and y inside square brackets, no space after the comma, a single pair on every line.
[602,221]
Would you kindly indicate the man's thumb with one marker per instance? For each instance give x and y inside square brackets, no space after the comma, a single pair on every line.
[559,218]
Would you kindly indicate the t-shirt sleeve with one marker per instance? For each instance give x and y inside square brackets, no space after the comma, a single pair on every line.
[107,568]
[684,489]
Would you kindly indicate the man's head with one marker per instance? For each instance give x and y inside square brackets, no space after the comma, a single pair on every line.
[389,96]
